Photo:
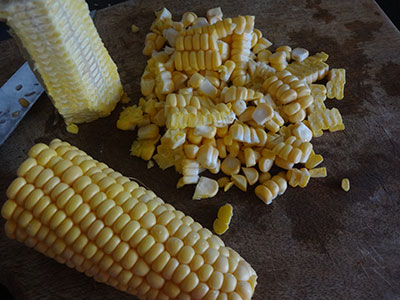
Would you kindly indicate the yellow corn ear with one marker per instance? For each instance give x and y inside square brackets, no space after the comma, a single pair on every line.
[78,211]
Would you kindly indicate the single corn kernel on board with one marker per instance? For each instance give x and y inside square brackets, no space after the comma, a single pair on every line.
[332,243]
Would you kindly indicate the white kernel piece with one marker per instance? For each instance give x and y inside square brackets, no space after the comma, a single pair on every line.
[302,132]
[200,22]
[214,15]
[170,35]
[262,113]
[206,188]
[299,54]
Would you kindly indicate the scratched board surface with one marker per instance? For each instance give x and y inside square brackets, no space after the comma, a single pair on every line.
[314,243]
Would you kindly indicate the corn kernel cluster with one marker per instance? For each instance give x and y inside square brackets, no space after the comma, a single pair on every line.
[82,213]
[216,98]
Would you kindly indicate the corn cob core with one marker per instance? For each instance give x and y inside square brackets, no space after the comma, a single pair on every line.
[64,47]
[78,211]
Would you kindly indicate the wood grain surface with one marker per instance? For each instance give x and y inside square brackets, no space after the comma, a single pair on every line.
[312,243]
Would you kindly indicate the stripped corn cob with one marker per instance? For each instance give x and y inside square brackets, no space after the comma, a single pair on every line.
[66,50]
[78,211]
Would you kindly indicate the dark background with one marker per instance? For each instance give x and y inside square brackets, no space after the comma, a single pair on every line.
[390,7]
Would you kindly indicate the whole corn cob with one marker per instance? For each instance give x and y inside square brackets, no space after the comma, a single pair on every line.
[66,51]
[78,211]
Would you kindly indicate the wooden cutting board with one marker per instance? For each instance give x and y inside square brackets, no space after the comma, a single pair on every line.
[312,243]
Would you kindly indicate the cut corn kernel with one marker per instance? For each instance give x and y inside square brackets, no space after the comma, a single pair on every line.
[299,54]
[345,184]
[228,186]
[313,161]
[221,223]
[327,119]
[298,177]
[335,85]
[264,176]
[206,188]
[311,69]
[230,165]
[271,188]
[240,181]
[251,175]
[220,227]
[134,28]
[318,172]
[150,164]
[72,128]
[223,181]
[124,236]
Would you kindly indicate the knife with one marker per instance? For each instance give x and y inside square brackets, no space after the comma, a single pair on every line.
[17,96]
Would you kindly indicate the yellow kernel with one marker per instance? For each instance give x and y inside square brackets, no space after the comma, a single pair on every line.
[318,172]
[145,245]
[228,186]
[186,254]
[129,259]
[190,282]
[216,280]
[251,175]
[230,165]
[313,161]
[225,213]
[37,149]
[223,181]
[134,28]
[345,184]
[26,166]
[171,290]
[148,220]
[72,174]
[220,226]
[72,128]
[8,209]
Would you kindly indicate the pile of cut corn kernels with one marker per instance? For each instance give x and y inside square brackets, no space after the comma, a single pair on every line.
[215,98]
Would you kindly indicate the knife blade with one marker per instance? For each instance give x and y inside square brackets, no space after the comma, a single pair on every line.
[17,96]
